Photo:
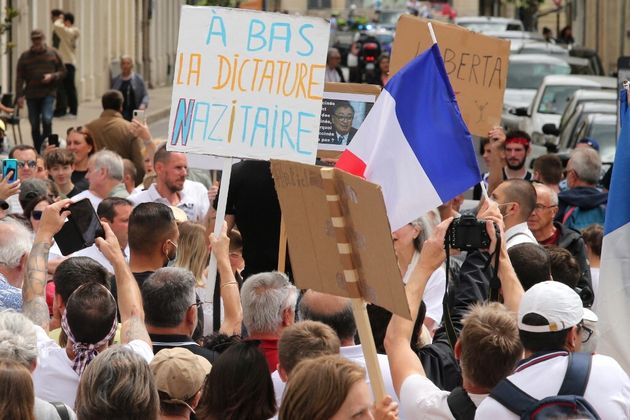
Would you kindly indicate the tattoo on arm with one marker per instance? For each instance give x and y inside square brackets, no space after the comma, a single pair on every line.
[34,289]
[134,329]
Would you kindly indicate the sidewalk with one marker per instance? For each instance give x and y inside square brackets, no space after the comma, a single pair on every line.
[159,107]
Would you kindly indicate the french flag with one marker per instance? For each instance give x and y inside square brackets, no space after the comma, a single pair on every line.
[414,142]
[612,301]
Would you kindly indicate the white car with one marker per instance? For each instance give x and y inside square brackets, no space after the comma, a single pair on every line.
[525,74]
[552,98]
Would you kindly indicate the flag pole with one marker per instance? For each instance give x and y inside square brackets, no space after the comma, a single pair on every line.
[432,33]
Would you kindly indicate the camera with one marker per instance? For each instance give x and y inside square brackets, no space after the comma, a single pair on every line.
[466,233]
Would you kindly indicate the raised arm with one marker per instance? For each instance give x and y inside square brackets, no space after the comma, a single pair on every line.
[403,362]
[497,158]
[129,297]
[34,288]
[233,311]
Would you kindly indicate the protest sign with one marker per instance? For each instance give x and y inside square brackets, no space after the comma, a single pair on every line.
[313,241]
[344,107]
[340,243]
[477,66]
[248,84]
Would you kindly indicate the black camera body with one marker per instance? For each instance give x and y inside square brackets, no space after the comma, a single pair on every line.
[466,233]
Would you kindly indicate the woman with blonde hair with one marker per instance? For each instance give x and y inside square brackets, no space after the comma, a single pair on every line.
[193,253]
[17,396]
[331,387]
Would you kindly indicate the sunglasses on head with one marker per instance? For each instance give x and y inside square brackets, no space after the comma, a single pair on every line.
[30,163]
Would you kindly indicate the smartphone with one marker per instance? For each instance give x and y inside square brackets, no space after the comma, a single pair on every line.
[10,165]
[139,114]
[81,228]
[53,140]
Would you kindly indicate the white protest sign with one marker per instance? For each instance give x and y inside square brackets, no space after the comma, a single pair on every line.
[248,84]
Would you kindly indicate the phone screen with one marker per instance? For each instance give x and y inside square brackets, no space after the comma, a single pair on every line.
[53,140]
[83,215]
[10,165]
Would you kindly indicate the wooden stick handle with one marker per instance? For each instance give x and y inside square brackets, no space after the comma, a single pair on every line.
[351,277]
[282,247]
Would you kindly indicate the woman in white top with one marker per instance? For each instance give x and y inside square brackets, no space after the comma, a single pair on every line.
[408,242]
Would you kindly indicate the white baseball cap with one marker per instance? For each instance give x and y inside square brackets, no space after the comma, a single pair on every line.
[556,302]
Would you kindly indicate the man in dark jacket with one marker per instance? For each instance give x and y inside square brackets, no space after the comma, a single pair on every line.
[582,204]
[547,232]
[39,69]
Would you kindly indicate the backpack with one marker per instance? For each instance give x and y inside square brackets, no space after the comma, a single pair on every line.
[460,404]
[577,218]
[62,410]
[569,403]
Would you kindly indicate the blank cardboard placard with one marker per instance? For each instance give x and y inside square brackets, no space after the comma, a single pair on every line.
[477,66]
[312,242]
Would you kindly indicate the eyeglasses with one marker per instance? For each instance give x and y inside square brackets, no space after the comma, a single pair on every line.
[200,302]
[566,172]
[36,214]
[588,332]
[344,117]
[540,207]
[30,163]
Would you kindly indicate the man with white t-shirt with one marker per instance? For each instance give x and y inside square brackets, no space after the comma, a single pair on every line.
[487,347]
[336,312]
[550,323]
[89,319]
[173,189]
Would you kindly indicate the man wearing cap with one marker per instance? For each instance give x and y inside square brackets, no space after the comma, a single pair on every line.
[39,69]
[548,232]
[508,156]
[550,323]
[588,143]
[179,376]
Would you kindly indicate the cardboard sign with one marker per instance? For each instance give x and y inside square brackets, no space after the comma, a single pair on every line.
[313,245]
[477,66]
[248,84]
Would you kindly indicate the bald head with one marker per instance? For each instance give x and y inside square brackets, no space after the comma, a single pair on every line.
[334,311]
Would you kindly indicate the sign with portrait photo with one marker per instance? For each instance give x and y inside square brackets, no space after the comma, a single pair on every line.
[344,107]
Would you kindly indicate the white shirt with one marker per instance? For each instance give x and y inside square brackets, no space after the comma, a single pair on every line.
[94,199]
[332,75]
[14,204]
[433,292]
[519,234]
[54,379]
[608,389]
[355,354]
[421,399]
[193,199]
[94,253]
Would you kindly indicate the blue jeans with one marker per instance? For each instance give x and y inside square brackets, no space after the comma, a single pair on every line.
[40,111]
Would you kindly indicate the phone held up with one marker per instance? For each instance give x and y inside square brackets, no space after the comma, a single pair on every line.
[80,229]
[10,169]
[139,114]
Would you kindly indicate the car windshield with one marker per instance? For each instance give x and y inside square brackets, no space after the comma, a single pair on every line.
[384,39]
[604,133]
[556,98]
[526,75]
[390,17]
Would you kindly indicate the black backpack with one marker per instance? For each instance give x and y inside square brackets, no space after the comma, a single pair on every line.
[460,404]
[569,402]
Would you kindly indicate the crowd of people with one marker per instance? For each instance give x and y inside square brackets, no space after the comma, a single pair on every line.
[134,327]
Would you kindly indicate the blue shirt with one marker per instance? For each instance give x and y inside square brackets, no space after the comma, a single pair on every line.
[10,297]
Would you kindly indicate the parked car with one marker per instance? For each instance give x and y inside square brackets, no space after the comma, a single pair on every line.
[516,35]
[595,63]
[537,47]
[525,74]
[581,96]
[485,24]
[601,127]
[552,98]
[567,133]
[389,18]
